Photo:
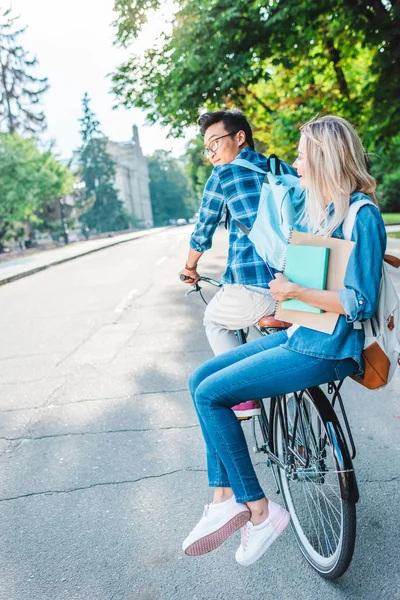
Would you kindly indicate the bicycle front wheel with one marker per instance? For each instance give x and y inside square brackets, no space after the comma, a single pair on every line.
[324,523]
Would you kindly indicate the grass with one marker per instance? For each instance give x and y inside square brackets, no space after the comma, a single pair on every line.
[391,218]
[394,234]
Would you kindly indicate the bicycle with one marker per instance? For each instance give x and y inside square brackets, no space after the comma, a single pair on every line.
[311,462]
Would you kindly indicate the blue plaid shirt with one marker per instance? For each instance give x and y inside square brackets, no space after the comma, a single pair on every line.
[239,189]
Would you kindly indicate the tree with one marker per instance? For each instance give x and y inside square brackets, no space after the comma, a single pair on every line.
[28,180]
[90,126]
[283,60]
[169,189]
[386,169]
[20,91]
[198,169]
[106,212]
[53,215]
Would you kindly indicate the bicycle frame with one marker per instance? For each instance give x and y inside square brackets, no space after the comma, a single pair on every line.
[349,488]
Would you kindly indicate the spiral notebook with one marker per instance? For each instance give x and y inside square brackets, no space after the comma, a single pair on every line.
[307,266]
[339,255]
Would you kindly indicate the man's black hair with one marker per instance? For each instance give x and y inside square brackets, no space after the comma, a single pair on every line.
[233,120]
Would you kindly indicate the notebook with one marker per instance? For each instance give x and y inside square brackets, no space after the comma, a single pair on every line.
[307,266]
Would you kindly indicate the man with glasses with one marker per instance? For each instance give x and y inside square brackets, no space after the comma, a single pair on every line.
[244,297]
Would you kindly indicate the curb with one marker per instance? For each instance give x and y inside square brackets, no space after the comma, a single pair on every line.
[64,260]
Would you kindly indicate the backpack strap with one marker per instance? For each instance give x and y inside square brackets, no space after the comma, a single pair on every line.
[241,162]
[347,229]
[273,165]
[242,227]
[350,218]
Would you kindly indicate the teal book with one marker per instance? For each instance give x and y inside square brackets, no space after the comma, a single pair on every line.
[308,266]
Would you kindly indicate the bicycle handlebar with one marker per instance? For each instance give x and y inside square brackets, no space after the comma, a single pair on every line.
[206,279]
[196,287]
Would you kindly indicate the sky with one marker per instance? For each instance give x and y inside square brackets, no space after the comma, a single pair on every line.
[73,41]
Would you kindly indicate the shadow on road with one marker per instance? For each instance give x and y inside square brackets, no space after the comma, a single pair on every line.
[109,477]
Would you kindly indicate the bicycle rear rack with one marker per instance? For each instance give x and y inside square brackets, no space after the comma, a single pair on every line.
[334,391]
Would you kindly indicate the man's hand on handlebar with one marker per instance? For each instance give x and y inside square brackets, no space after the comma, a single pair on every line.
[190,277]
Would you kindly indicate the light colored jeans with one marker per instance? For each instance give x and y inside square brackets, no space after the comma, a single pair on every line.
[234,307]
[260,369]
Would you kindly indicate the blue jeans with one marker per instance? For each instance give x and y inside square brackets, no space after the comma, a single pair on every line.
[260,369]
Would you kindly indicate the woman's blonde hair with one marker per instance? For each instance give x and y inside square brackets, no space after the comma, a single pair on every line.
[336,166]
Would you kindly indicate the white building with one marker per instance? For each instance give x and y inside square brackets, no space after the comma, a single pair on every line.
[131,177]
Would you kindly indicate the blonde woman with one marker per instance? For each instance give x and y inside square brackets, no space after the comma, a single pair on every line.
[332,167]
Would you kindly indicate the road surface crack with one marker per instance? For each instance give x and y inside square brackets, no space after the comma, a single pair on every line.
[48,404]
[388,480]
[101,484]
[107,431]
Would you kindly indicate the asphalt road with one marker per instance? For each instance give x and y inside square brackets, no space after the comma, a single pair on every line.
[102,464]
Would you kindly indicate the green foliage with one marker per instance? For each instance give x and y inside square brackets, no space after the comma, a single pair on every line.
[104,211]
[20,91]
[389,190]
[131,17]
[28,180]
[198,168]
[386,170]
[90,126]
[169,189]
[391,218]
[281,61]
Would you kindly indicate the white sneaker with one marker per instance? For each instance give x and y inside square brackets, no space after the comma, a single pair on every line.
[218,522]
[256,539]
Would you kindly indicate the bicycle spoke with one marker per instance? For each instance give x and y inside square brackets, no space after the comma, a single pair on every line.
[327,510]
[310,430]
[323,520]
[326,499]
[338,496]
[307,492]
[312,519]
[311,485]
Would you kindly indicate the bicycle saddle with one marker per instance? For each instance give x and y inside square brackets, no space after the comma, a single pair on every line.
[272,322]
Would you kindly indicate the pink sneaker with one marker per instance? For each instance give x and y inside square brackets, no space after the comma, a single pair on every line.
[256,539]
[248,409]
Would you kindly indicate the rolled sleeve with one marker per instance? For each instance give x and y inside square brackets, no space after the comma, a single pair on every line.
[353,303]
[362,281]
[209,215]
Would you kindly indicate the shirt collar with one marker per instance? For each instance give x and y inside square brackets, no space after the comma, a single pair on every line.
[245,152]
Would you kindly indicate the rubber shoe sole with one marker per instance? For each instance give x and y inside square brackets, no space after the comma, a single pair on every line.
[213,540]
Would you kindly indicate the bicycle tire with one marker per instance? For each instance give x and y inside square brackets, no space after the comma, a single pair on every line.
[327,542]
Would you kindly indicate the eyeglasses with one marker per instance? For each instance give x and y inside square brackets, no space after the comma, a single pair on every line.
[213,146]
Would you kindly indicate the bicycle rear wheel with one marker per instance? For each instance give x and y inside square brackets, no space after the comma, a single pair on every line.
[323,518]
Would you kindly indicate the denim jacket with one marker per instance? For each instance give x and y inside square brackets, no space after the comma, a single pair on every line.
[360,296]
